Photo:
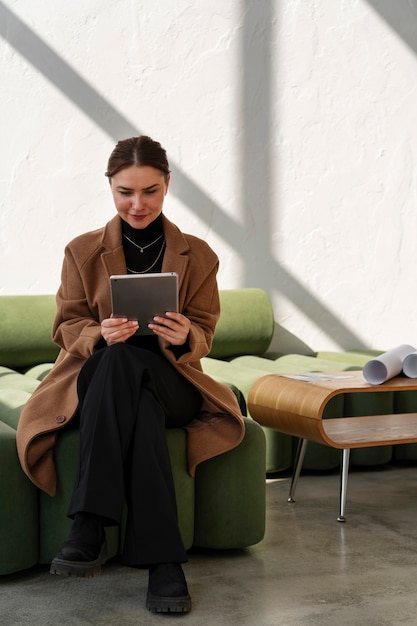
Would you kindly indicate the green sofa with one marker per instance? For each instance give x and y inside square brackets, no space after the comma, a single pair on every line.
[223,507]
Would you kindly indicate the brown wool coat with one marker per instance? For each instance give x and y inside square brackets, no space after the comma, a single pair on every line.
[83,301]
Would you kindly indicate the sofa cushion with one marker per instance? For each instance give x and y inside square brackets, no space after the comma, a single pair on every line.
[19,526]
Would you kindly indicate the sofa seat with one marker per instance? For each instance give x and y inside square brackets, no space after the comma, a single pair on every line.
[222,507]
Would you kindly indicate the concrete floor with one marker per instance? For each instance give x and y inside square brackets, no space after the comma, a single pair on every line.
[309,570]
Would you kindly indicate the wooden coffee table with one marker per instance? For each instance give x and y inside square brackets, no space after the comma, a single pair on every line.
[296,407]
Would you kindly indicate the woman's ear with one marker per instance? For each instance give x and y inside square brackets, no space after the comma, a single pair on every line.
[167,180]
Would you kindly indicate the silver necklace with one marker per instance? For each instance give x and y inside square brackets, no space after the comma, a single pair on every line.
[142,248]
[151,266]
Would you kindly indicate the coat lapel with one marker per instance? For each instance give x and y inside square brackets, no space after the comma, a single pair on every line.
[113,257]
[176,253]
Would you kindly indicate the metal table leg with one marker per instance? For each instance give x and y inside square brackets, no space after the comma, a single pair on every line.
[299,458]
[344,472]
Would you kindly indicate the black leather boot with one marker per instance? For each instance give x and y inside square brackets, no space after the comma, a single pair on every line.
[84,551]
[167,589]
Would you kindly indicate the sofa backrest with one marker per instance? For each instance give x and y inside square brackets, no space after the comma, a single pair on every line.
[245,327]
[25,330]
[246,323]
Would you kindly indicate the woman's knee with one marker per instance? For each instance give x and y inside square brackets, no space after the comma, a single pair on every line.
[118,353]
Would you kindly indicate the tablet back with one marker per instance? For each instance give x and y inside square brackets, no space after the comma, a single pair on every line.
[142,296]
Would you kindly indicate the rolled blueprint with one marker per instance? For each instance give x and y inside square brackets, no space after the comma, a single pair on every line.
[410,365]
[387,365]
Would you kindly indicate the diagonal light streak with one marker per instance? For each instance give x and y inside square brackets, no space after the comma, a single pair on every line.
[81,93]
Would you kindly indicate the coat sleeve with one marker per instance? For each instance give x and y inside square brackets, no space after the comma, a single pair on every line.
[76,327]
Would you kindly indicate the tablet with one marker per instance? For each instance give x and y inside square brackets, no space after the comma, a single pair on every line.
[142,296]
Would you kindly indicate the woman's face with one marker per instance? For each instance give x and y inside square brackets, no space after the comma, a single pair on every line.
[138,194]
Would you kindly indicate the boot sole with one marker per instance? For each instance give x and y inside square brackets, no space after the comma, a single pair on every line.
[161,604]
[81,569]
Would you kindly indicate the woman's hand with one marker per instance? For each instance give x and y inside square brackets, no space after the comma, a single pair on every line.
[174,327]
[118,329]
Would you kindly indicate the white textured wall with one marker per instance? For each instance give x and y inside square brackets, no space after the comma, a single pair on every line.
[290,126]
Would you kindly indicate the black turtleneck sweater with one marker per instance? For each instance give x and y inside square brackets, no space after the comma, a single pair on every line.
[151,239]
[144,247]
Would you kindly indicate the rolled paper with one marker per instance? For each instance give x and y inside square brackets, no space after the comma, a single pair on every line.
[410,365]
[387,365]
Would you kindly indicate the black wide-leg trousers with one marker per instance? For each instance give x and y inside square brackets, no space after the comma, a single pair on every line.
[128,396]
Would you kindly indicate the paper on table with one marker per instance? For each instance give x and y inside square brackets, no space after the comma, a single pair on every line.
[316,376]
[410,365]
[387,365]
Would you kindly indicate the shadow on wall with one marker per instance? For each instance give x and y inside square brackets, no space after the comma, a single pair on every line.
[284,342]
[261,268]
[401,16]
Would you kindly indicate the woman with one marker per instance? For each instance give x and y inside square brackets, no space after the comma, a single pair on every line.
[124,390]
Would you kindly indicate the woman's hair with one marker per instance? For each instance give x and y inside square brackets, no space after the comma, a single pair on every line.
[137,151]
